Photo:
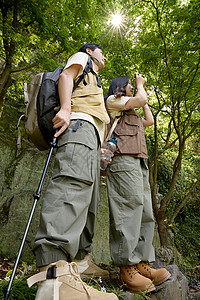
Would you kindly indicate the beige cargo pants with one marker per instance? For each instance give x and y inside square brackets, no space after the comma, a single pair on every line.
[70,203]
[131,215]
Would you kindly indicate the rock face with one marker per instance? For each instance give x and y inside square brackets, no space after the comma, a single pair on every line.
[19,179]
[175,288]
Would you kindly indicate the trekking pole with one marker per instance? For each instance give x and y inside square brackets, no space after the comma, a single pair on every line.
[36,198]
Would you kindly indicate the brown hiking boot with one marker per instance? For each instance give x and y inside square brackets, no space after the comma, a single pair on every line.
[88,268]
[158,276]
[134,281]
[61,281]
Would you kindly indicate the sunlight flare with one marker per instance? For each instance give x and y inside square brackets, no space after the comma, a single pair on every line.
[116,20]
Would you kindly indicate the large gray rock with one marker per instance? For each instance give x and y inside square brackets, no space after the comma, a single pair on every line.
[20,175]
[175,288]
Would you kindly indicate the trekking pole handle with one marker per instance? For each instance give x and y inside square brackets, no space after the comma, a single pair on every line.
[53,143]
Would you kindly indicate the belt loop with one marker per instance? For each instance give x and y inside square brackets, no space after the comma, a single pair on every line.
[76,126]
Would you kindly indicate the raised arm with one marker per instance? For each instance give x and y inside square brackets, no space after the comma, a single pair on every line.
[65,86]
[148,119]
[140,99]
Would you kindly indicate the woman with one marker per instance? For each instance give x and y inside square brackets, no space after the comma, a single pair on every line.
[131,215]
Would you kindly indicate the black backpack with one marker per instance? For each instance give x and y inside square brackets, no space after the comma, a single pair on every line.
[42,104]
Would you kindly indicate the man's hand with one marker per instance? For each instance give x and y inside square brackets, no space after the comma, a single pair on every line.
[61,121]
[106,155]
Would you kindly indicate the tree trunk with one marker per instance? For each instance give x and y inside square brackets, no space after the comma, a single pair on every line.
[163,231]
[5,82]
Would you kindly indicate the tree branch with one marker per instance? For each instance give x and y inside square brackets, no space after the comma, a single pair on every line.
[31,65]
[176,169]
[184,201]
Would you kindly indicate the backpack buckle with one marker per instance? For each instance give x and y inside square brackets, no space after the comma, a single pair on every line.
[51,272]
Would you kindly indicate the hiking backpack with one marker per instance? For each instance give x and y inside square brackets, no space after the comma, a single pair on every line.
[42,104]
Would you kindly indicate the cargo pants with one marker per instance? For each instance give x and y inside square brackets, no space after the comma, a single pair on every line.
[70,203]
[131,215]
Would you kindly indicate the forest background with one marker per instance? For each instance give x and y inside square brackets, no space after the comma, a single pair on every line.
[158,38]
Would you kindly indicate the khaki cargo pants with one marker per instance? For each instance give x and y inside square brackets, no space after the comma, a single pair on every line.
[71,200]
[131,215]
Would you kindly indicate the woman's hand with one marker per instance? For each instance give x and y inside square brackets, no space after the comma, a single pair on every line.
[139,80]
[140,99]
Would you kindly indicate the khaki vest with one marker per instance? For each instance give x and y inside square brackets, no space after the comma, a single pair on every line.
[130,134]
[89,99]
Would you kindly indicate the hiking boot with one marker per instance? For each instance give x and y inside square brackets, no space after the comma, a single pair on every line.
[134,281]
[61,281]
[158,276]
[87,268]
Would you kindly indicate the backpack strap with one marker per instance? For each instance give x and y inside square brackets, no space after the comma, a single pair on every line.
[88,68]
[108,137]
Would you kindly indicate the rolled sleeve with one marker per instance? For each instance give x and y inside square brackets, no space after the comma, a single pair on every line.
[79,58]
[116,105]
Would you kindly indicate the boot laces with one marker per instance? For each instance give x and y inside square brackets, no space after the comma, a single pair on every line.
[132,270]
[146,266]
[73,268]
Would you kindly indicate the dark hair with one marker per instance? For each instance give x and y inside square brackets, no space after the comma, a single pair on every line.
[91,46]
[118,87]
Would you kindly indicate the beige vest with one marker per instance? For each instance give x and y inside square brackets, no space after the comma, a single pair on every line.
[130,134]
[89,99]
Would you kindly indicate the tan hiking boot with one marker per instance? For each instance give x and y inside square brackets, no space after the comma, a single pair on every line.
[61,281]
[158,276]
[134,281]
[88,268]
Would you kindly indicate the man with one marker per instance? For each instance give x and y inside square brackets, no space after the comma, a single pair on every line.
[71,200]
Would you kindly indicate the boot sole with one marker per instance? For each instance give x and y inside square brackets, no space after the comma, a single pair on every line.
[142,290]
[162,279]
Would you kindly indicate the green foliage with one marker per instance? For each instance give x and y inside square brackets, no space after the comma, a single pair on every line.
[19,291]
[186,229]
[186,225]
[187,176]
